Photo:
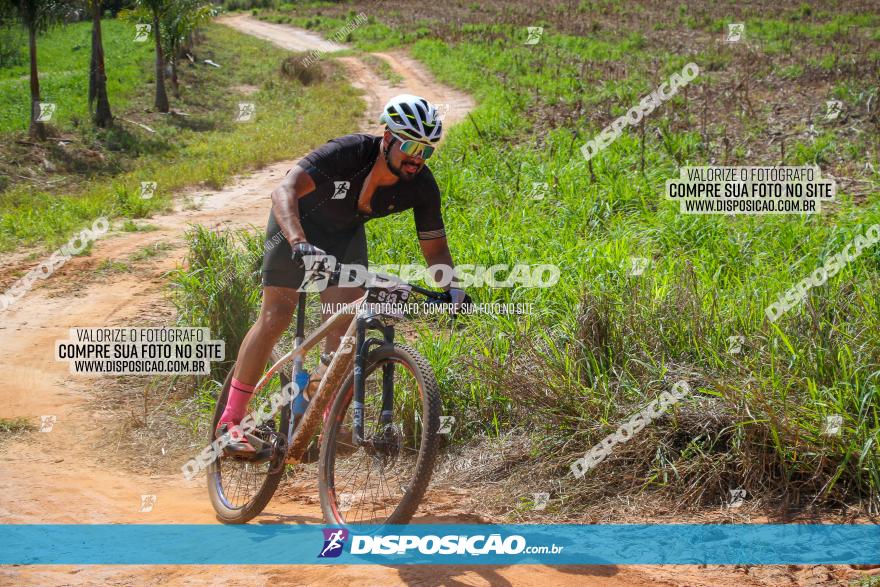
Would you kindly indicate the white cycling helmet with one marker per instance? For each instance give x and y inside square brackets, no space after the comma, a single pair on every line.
[414,118]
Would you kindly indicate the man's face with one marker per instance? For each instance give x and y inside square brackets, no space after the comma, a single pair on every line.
[403,166]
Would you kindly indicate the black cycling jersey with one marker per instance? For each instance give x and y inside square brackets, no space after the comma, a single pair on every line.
[339,169]
[330,217]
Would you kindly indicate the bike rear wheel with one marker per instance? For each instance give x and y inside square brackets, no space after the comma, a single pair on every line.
[383,482]
[239,489]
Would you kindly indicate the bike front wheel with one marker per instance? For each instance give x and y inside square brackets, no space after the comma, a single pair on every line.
[383,480]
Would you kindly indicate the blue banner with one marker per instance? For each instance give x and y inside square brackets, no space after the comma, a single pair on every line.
[455,544]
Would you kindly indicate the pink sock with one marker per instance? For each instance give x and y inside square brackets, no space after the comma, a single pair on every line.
[239,396]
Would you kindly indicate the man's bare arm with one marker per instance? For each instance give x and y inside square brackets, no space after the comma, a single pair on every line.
[285,203]
[436,252]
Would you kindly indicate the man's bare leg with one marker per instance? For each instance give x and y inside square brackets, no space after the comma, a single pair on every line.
[279,303]
[256,348]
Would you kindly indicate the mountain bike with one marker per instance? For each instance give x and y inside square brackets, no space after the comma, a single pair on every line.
[378,407]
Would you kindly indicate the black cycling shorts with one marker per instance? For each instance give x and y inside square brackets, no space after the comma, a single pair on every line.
[279,268]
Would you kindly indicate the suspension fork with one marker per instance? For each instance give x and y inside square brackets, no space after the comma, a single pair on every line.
[387,383]
[360,359]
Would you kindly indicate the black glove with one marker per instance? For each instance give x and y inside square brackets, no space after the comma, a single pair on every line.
[304,249]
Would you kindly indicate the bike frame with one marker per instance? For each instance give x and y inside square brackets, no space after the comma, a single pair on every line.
[353,349]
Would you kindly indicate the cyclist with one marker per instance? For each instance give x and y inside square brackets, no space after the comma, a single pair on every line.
[320,209]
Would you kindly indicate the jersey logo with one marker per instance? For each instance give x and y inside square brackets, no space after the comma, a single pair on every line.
[341,190]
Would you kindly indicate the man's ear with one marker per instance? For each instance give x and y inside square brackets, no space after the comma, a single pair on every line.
[388,141]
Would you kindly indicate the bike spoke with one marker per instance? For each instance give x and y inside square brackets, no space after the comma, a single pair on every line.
[377,475]
[239,481]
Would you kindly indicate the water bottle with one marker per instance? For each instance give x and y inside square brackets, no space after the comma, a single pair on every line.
[300,403]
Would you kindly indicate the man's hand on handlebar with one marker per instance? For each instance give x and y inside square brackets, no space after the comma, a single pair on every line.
[303,249]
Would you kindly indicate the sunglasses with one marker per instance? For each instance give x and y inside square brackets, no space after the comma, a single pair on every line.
[414,148]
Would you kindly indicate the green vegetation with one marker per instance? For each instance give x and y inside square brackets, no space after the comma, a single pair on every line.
[111,266]
[603,342]
[132,226]
[150,252]
[384,70]
[220,288]
[372,36]
[203,144]
[12,426]
[866,581]
[63,55]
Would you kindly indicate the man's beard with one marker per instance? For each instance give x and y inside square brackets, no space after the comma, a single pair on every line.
[398,170]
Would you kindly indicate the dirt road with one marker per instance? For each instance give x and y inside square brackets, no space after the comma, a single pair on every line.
[58,476]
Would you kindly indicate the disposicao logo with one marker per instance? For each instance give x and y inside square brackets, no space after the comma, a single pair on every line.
[334,541]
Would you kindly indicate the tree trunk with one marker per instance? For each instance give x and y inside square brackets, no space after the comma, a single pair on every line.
[174,85]
[174,78]
[37,129]
[103,116]
[93,68]
[161,96]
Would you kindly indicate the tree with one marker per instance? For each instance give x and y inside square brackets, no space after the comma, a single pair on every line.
[181,19]
[157,9]
[97,76]
[36,16]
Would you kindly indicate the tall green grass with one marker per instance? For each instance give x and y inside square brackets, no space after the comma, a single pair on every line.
[609,341]
[219,287]
[602,343]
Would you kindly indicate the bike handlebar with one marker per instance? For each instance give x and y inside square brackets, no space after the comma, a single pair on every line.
[335,274]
